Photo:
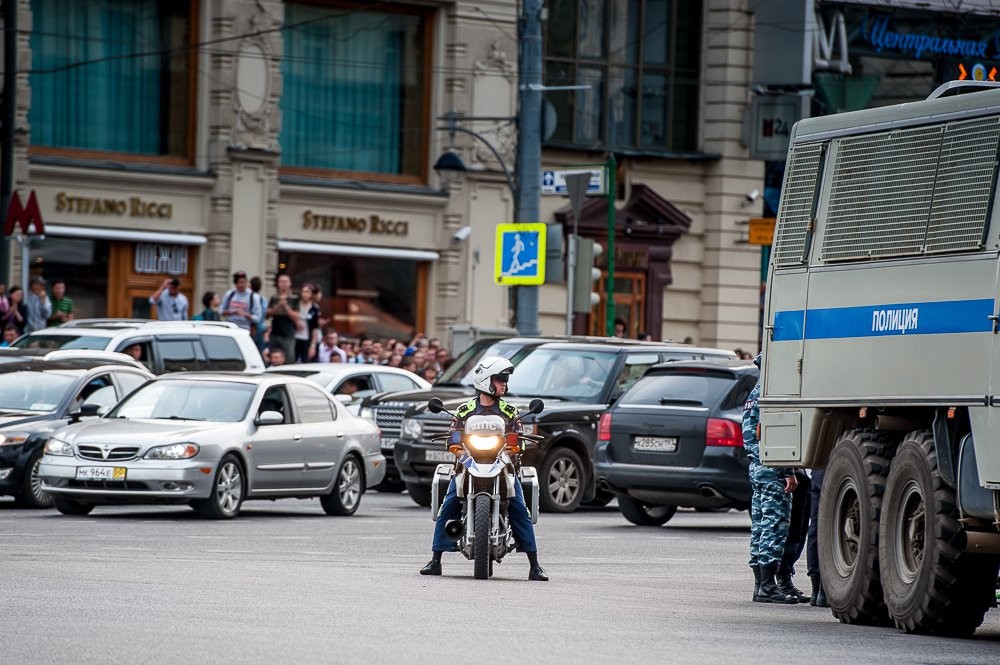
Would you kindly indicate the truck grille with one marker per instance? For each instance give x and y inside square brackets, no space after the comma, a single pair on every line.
[114,453]
[389,417]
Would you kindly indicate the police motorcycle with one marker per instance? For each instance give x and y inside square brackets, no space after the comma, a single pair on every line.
[488,459]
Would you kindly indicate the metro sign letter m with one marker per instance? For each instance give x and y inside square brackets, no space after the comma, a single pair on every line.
[25,217]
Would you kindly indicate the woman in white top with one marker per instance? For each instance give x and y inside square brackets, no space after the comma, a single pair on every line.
[307,333]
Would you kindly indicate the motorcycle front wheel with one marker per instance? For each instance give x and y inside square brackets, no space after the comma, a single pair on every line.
[481,535]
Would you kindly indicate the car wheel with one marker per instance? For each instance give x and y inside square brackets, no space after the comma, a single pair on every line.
[561,481]
[644,514]
[70,507]
[420,494]
[228,490]
[32,495]
[345,497]
[391,486]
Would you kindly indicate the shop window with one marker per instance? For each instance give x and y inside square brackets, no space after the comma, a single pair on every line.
[354,90]
[641,59]
[82,264]
[113,76]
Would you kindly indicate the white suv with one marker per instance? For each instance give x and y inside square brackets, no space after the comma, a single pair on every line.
[163,346]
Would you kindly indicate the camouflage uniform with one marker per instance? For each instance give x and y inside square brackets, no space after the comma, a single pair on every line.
[770,509]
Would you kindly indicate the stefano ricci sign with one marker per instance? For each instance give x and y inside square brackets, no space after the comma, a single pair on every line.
[882,35]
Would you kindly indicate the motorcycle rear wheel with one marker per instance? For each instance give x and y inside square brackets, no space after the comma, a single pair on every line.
[481,542]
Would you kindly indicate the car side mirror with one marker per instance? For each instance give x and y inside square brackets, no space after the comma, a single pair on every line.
[89,410]
[536,406]
[343,399]
[269,418]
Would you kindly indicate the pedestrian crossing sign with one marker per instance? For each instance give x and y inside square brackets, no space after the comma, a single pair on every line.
[520,255]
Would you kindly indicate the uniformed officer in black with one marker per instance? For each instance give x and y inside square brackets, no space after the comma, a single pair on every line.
[490,379]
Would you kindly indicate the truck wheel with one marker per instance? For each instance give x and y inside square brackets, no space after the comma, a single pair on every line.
[849,510]
[420,494]
[930,584]
[644,514]
[481,531]
[561,478]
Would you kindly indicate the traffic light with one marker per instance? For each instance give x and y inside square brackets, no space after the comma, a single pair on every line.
[585,297]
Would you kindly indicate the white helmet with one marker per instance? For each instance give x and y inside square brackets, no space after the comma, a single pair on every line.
[488,368]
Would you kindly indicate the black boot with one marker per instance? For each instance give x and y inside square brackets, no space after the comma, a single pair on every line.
[815,591]
[536,573]
[786,587]
[756,581]
[769,592]
[434,566]
[821,595]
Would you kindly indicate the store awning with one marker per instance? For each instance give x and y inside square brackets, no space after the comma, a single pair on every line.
[357,250]
[124,235]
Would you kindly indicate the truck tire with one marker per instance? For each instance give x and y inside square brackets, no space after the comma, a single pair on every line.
[849,510]
[421,494]
[931,585]
[481,535]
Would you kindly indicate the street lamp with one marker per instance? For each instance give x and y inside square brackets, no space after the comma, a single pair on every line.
[450,166]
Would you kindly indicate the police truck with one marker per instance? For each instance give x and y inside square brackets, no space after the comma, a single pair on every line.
[882,354]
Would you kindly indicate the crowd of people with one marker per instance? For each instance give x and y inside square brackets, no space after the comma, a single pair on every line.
[22,312]
[289,327]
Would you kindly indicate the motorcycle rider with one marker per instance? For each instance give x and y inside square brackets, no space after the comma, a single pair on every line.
[490,380]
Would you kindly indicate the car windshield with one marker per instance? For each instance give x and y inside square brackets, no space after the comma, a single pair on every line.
[459,372]
[681,389]
[570,374]
[32,391]
[214,401]
[62,342]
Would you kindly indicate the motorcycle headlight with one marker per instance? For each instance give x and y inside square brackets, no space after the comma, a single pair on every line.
[13,438]
[411,429]
[173,451]
[484,444]
[57,447]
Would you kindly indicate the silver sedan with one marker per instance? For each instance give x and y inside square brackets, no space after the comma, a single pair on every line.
[214,440]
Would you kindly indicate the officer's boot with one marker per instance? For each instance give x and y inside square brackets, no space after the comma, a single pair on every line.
[821,594]
[769,592]
[815,591]
[756,581]
[786,587]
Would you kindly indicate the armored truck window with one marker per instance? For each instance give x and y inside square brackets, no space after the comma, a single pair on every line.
[797,205]
[913,191]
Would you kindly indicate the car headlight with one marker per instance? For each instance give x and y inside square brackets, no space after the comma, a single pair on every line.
[13,438]
[366,412]
[412,429]
[173,451]
[57,447]
[484,444]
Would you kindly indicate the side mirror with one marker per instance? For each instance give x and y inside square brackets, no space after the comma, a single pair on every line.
[343,399]
[269,418]
[88,410]
[536,406]
[435,405]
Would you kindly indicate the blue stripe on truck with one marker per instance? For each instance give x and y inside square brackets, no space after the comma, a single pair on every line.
[919,318]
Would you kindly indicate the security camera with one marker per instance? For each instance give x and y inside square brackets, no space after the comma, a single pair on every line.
[462,234]
[752,195]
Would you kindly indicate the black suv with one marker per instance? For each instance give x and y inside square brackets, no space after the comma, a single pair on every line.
[676,439]
[39,396]
[387,409]
[577,381]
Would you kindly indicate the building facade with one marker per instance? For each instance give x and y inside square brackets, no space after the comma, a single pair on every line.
[193,138]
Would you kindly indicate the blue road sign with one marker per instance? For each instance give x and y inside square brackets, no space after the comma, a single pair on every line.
[520,254]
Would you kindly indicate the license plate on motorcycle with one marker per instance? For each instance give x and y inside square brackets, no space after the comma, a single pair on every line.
[656,444]
[438,456]
[100,473]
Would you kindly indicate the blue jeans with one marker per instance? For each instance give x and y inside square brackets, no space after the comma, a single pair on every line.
[517,513]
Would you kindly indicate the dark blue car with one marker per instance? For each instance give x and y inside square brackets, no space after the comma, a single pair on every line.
[675,439]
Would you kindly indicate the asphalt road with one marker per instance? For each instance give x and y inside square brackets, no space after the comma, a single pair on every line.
[283,583]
